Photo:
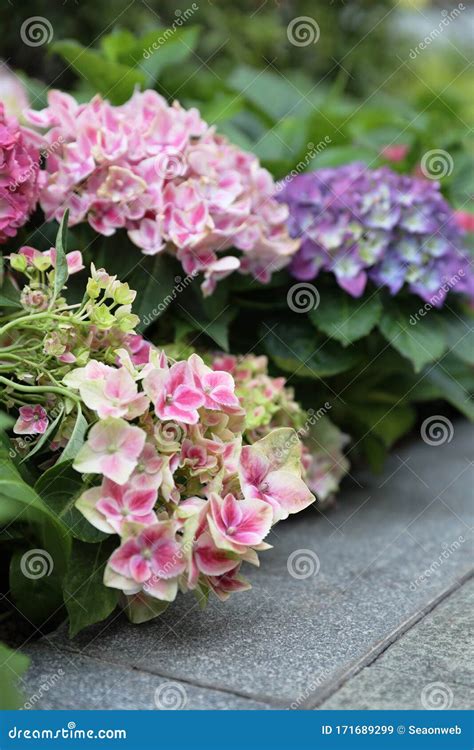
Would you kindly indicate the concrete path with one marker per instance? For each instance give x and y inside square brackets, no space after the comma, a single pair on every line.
[364,606]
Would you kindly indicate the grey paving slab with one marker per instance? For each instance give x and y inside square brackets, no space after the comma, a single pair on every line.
[431,665]
[58,680]
[381,562]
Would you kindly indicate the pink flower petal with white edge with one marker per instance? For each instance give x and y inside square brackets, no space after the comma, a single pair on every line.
[287,493]
[120,559]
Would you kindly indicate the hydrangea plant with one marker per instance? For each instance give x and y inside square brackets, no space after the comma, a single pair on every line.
[162,469]
[161,173]
[374,224]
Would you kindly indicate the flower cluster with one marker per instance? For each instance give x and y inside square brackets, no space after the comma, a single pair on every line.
[20,175]
[165,176]
[269,403]
[363,224]
[163,449]
[189,502]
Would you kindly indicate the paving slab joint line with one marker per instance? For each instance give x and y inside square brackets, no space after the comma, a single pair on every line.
[320,695]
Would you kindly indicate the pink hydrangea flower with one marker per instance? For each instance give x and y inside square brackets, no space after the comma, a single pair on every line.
[217,386]
[74,259]
[173,393]
[228,583]
[20,175]
[111,505]
[113,448]
[150,562]
[163,175]
[464,220]
[33,420]
[267,475]
[13,93]
[109,391]
[235,524]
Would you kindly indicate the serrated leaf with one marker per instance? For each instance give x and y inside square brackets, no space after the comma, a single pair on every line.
[76,440]
[346,318]
[86,598]
[59,488]
[298,348]
[157,287]
[111,79]
[60,269]
[421,341]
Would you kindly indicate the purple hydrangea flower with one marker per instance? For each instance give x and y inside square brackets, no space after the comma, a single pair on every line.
[374,224]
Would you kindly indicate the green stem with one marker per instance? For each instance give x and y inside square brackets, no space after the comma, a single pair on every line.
[40,389]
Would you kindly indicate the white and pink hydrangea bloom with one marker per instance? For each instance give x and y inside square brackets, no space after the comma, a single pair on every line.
[161,173]
[187,501]
[32,420]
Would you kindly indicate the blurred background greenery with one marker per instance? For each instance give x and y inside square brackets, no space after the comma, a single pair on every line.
[362,82]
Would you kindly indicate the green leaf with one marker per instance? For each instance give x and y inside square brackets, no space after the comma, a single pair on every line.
[141,608]
[163,48]
[60,270]
[388,423]
[447,377]
[419,339]
[87,599]
[111,79]
[345,318]
[12,665]
[37,598]
[76,440]
[460,335]
[157,286]
[59,487]
[299,349]
[10,295]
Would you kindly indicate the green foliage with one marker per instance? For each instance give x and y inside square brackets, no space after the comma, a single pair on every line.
[12,665]
[86,598]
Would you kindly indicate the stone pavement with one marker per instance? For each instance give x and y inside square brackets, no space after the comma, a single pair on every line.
[364,606]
